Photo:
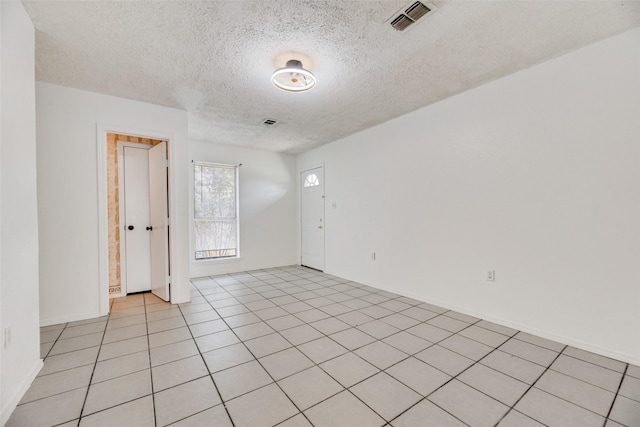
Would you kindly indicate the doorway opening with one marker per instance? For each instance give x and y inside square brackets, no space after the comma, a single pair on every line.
[137,215]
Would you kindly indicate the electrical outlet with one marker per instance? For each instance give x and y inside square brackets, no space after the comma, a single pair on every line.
[373,256]
[491,276]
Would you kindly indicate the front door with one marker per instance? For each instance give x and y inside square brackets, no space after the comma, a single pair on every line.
[312,218]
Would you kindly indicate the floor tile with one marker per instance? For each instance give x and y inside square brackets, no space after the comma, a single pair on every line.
[336,309]
[301,334]
[630,388]
[122,348]
[165,324]
[312,315]
[343,410]
[445,360]
[352,338]
[588,372]
[400,321]
[217,340]
[513,366]
[626,411]
[429,332]
[541,342]
[395,305]
[200,317]
[76,331]
[185,400]
[216,416]
[70,360]
[378,329]
[117,391]
[284,322]
[163,314]
[241,379]
[119,334]
[309,387]
[466,347]
[596,359]
[634,371]
[376,311]
[169,337]
[77,343]
[555,412]
[120,366]
[232,310]
[497,328]
[448,323]
[285,363]
[253,330]
[385,395]
[50,411]
[407,342]
[530,352]
[297,421]
[494,384]
[135,413]
[426,414]
[330,326]
[418,375]
[264,407]
[349,369]
[126,321]
[516,419]
[485,336]
[49,385]
[227,357]
[461,316]
[267,344]
[380,354]
[296,307]
[322,349]
[575,391]
[468,404]
[270,313]
[178,372]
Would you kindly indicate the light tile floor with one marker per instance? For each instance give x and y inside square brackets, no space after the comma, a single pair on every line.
[295,347]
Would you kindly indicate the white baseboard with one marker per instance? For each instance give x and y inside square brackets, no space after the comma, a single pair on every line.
[623,357]
[65,319]
[20,391]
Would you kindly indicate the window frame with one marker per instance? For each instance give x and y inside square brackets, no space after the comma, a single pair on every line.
[236,169]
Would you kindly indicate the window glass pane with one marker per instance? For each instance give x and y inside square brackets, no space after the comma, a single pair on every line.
[215,211]
[311,180]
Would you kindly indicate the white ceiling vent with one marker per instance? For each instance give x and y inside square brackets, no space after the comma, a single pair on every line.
[409,14]
[269,122]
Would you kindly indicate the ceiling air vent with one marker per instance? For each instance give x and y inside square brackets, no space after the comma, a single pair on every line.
[269,122]
[417,11]
[401,22]
[409,14]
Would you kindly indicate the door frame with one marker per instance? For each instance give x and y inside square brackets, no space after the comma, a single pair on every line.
[324,212]
[123,242]
[102,130]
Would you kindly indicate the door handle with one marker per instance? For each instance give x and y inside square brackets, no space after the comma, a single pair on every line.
[130,227]
[150,228]
[319,226]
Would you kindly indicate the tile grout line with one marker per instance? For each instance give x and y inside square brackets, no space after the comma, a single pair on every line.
[624,374]
[210,375]
[532,386]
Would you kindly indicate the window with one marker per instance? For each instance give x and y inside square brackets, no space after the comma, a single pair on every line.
[215,213]
[311,180]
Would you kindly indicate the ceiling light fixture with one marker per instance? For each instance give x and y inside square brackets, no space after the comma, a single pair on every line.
[293,78]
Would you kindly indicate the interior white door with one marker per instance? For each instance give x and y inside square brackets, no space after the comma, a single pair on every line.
[159,220]
[312,218]
[136,220]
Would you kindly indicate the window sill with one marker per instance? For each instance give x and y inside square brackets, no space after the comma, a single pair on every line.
[216,260]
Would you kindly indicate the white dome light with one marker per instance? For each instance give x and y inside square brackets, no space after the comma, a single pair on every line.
[293,78]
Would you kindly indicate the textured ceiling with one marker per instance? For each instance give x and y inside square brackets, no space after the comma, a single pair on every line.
[215,58]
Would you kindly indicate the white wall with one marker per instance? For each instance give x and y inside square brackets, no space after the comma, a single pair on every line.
[536,175]
[20,361]
[67,131]
[268,197]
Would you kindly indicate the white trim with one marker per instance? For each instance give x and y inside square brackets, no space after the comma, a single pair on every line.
[13,401]
[623,357]
[103,237]
[65,319]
